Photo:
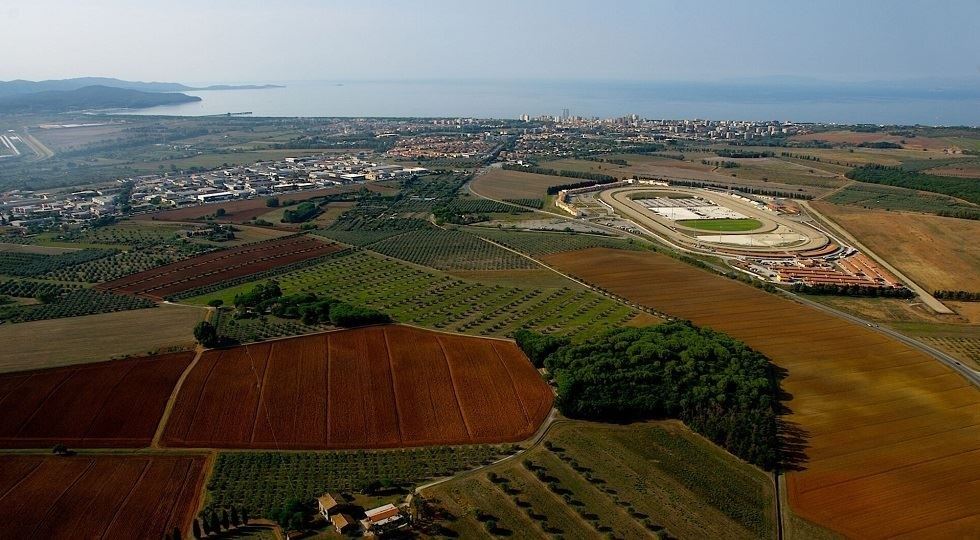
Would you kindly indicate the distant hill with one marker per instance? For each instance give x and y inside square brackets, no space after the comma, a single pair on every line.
[10,88]
[88,97]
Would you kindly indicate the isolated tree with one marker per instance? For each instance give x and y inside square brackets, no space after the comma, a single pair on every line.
[206,334]
[272,202]
[196,529]
[235,519]
[225,521]
[244,515]
[175,534]
[296,522]
[220,212]
[206,524]
[215,523]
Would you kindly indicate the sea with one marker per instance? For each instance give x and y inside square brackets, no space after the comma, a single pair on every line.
[846,103]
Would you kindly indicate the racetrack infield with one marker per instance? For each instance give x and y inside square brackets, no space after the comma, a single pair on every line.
[377,387]
[892,436]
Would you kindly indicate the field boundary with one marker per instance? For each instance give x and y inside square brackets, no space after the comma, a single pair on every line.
[169,408]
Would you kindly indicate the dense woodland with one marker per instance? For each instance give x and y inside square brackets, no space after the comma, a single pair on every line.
[718,386]
[853,290]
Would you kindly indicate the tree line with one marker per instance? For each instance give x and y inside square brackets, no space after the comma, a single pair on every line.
[853,290]
[718,386]
[962,296]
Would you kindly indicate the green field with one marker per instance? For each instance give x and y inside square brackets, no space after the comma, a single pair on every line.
[722,225]
[636,481]
[264,481]
[432,299]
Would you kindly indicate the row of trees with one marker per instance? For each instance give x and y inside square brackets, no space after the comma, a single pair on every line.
[853,290]
[724,152]
[303,212]
[741,189]
[962,296]
[212,522]
[718,386]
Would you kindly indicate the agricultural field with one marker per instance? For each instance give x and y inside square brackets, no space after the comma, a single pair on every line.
[212,268]
[450,250]
[97,337]
[881,197]
[41,300]
[544,243]
[24,264]
[98,496]
[911,243]
[500,184]
[634,481]
[761,173]
[115,404]
[377,387]
[264,481]
[872,422]
[428,298]
[856,138]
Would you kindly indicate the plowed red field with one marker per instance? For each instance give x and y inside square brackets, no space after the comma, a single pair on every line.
[220,266]
[892,435]
[109,404]
[377,387]
[97,497]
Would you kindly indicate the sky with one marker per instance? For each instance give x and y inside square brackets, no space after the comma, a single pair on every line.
[227,41]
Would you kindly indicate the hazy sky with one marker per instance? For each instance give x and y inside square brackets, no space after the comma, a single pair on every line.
[201,41]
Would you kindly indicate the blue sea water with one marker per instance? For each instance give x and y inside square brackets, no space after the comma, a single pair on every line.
[885,103]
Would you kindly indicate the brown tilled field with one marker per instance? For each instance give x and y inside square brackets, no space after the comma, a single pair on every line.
[109,404]
[855,137]
[911,242]
[219,266]
[374,387]
[241,211]
[892,436]
[98,497]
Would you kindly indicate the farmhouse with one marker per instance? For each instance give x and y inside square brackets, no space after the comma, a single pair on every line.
[327,503]
[343,523]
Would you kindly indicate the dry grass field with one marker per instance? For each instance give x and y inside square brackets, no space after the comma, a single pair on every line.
[889,437]
[913,242]
[854,137]
[500,184]
[74,340]
[764,173]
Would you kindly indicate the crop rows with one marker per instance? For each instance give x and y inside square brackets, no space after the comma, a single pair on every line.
[121,264]
[36,265]
[220,266]
[481,206]
[531,203]
[545,243]
[246,330]
[68,302]
[433,300]
[267,480]
[450,250]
